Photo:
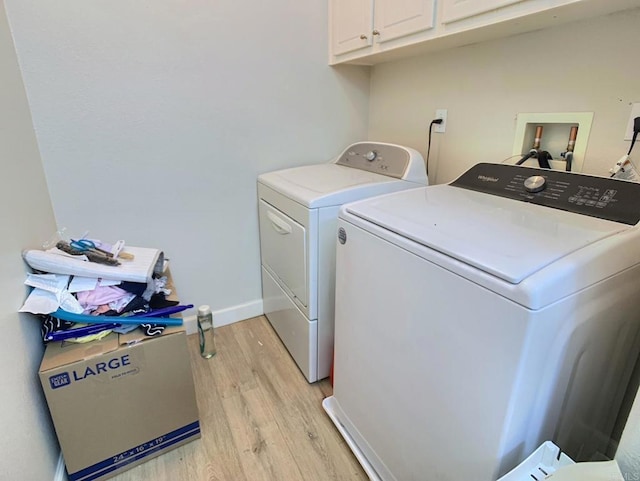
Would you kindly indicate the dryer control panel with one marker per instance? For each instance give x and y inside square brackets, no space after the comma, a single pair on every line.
[602,197]
[385,159]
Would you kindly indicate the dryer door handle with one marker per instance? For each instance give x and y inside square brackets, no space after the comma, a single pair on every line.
[280,226]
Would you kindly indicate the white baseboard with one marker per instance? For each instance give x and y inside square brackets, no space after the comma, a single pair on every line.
[228,315]
[61,472]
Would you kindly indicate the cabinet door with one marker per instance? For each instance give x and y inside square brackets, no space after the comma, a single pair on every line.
[397,18]
[283,249]
[458,9]
[352,24]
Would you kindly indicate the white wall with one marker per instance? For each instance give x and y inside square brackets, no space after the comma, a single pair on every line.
[28,446]
[589,66]
[155,117]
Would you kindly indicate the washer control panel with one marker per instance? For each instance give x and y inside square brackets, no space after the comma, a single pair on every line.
[602,197]
[385,159]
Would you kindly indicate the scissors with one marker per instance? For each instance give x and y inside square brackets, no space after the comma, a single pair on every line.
[86,245]
[88,248]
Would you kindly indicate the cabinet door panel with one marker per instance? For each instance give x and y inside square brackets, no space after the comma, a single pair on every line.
[397,18]
[351,21]
[458,9]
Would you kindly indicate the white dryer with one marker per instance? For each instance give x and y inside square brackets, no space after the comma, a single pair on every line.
[478,319]
[298,211]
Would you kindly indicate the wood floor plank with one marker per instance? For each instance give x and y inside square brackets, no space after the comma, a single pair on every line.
[320,452]
[260,444]
[214,457]
[227,370]
[260,419]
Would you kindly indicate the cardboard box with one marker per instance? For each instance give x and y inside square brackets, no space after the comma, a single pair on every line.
[120,401]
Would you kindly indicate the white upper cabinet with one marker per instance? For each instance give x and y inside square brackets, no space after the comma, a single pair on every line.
[351,24]
[397,18]
[373,31]
[453,10]
[362,25]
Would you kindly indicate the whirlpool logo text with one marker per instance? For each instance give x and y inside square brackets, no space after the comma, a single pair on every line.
[486,178]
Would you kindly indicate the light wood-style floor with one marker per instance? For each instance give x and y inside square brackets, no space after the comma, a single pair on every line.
[260,419]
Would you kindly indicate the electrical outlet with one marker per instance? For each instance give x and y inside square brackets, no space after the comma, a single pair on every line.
[635,112]
[441,128]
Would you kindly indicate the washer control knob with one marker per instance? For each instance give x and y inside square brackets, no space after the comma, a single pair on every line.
[535,183]
[371,155]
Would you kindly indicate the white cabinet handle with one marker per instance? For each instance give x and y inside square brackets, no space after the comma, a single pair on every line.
[280,226]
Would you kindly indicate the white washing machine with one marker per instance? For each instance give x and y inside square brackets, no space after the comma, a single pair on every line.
[478,319]
[298,210]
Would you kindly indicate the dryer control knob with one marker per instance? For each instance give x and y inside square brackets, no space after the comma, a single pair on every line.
[535,183]
[371,155]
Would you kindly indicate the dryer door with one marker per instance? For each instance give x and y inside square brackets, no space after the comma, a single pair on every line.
[283,250]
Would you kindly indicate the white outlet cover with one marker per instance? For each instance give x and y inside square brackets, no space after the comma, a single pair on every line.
[441,128]
[635,112]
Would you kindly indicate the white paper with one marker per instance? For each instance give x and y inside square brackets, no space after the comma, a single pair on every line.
[40,301]
[49,293]
[69,303]
[82,284]
[49,282]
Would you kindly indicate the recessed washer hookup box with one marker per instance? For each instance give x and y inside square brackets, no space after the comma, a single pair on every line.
[120,401]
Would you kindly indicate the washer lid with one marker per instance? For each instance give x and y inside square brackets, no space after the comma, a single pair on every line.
[328,184]
[503,237]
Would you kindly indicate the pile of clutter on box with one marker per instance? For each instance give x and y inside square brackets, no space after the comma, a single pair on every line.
[85,289]
[116,398]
